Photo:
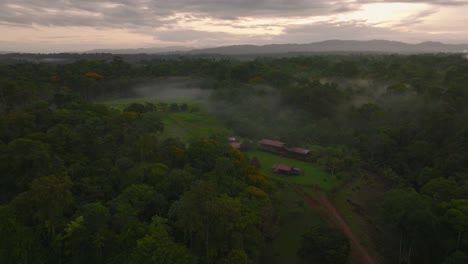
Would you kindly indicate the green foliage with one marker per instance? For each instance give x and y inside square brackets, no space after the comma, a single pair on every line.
[127,188]
[322,244]
[409,214]
[400,118]
[136,107]
[457,257]
[237,256]
[48,198]
[204,153]
[313,174]
[158,246]
[440,189]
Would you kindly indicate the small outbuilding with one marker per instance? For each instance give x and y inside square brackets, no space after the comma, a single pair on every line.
[236,145]
[300,152]
[278,145]
[285,169]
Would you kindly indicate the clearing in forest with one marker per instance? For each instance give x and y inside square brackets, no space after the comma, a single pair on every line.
[312,174]
[191,125]
[185,125]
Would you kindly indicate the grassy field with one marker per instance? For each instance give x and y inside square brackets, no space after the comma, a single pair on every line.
[182,125]
[313,175]
[186,126]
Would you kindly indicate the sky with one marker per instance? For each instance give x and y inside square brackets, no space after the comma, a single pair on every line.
[80,25]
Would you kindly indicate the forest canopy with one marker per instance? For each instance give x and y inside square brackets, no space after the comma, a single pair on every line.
[84,182]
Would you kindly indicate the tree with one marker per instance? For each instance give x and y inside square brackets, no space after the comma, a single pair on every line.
[190,213]
[426,174]
[159,247]
[135,107]
[339,161]
[177,183]
[28,160]
[130,204]
[237,256]
[322,244]
[213,224]
[173,153]
[204,153]
[18,242]
[184,107]
[174,107]
[457,257]
[47,200]
[408,213]
[255,162]
[440,189]
[457,217]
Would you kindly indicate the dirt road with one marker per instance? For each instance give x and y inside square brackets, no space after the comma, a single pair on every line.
[332,216]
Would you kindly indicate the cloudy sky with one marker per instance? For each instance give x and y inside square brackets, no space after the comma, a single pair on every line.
[77,25]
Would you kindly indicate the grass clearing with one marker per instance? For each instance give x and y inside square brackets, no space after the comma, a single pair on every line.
[313,175]
[191,125]
[183,125]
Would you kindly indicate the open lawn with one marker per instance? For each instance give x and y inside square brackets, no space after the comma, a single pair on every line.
[186,126]
[182,125]
[313,175]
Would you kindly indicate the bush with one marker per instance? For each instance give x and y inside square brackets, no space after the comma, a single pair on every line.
[322,244]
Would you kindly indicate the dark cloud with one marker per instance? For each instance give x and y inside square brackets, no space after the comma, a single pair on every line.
[155,13]
[118,14]
[157,19]
[150,13]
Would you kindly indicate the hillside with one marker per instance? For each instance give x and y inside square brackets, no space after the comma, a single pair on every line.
[380,46]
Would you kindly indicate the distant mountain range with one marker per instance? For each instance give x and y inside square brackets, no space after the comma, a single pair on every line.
[155,50]
[383,46]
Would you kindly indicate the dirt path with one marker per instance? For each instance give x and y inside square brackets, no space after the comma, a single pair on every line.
[332,216]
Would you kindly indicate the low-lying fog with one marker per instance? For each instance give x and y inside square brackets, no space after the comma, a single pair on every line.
[173,89]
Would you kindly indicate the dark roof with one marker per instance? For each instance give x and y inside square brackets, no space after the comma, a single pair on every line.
[299,151]
[236,145]
[272,143]
[281,167]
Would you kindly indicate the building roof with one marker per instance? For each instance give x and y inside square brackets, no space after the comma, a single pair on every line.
[281,167]
[236,145]
[299,151]
[272,143]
